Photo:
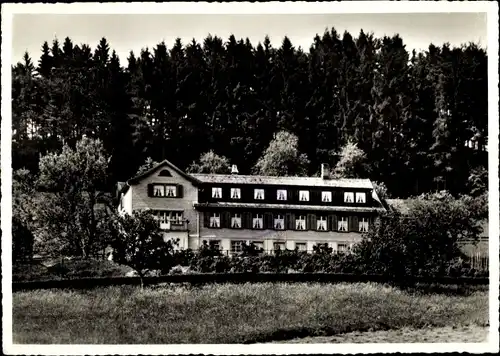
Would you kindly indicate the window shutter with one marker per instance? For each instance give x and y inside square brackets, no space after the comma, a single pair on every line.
[353,223]
[206,219]
[311,222]
[150,190]
[247,220]
[268,220]
[332,223]
[180,191]
[225,217]
[290,221]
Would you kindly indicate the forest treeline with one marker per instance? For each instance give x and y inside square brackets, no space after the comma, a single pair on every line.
[420,118]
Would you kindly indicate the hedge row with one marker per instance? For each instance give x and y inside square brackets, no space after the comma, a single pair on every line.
[322,260]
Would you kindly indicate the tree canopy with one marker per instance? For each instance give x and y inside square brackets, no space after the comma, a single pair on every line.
[420,118]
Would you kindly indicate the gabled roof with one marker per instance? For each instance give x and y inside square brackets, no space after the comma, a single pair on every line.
[294,181]
[163,163]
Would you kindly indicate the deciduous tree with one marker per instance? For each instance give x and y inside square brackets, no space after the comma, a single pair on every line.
[282,157]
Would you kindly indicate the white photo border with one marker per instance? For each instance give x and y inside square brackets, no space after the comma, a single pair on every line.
[9,10]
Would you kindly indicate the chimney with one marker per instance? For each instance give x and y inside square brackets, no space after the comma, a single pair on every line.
[234,169]
[325,171]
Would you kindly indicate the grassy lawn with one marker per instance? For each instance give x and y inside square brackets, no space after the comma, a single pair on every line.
[233,313]
[447,334]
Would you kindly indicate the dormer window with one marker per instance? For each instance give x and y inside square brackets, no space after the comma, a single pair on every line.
[300,223]
[159,190]
[258,194]
[348,197]
[236,221]
[360,197]
[216,192]
[281,194]
[326,197]
[235,193]
[304,195]
[258,221]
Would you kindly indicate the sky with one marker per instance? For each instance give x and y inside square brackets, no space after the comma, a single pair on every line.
[126,32]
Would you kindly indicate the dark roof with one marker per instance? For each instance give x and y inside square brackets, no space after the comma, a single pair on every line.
[288,207]
[271,180]
[163,163]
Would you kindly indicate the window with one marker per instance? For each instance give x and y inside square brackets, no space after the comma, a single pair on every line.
[216,192]
[165,173]
[326,197]
[171,190]
[363,225]
[348,197]
[167,218]
[343,224]
[321,223]
[279,222]
[215,220]
[163,219]
[342,247]
[235,193]
[281,194]
[236,221]
[215,244]
[176,218]
[236,246]
[258,194]
[259,245]
[300,223]
[301,246]
[279,246]
[258,222]
[159,190]
[304,195]
[360,197]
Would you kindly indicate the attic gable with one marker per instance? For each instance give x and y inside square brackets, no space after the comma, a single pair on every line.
[163,169]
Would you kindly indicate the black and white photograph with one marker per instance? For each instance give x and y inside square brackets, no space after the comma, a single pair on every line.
[275,178]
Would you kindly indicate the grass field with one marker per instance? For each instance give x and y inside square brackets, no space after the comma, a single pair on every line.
[447,334]
[233,313]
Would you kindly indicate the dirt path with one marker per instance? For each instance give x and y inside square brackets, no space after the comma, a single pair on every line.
[405,335]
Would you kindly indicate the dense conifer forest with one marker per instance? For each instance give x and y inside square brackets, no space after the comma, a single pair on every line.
[420,118]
